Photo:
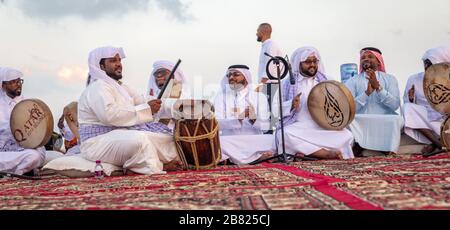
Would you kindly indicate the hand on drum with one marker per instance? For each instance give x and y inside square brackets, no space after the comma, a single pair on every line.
[296,102]
[411,93]
[155,105]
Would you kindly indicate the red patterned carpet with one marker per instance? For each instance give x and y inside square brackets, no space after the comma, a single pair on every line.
[367,183]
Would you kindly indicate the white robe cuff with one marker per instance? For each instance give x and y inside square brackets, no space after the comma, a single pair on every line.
[144,113]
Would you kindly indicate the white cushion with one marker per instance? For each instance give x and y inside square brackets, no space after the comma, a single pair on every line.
[51,155]
[76,166]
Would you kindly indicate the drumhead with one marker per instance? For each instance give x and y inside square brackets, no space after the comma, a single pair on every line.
[31,123]
[192,109]
[445,134]
[331,105]
[436,86]
[72,120]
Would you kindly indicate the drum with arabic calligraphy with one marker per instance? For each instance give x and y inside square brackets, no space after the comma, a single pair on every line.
[331,105]
[445,134]
[436,86]
[31,123]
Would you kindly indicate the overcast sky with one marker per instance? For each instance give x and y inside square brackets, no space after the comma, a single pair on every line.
[49,40]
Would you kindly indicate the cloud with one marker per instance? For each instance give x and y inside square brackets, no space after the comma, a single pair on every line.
[95,9]
[72,74]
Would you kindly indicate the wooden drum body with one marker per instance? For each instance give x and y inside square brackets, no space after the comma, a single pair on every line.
[197,134]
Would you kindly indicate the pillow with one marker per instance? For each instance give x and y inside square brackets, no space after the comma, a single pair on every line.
[51,155]
[76,166]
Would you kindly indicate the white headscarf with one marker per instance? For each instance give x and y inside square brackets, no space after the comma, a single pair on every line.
[153,87]
[248,76]
[97,73]
[437,55]
[301,54]
[9,74]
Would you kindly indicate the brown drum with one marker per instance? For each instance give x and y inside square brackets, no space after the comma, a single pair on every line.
[31,123]
[197,134]
[436,86]
[331,105]
[445,134]
[71,117]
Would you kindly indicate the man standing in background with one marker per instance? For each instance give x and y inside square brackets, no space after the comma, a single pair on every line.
[264,34]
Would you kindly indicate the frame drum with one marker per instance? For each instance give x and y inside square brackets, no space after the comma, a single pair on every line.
[331,105]
[436,86]
[31,123]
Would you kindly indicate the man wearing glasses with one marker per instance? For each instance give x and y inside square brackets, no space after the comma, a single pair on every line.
[13,158]
[159,75]
[243,116]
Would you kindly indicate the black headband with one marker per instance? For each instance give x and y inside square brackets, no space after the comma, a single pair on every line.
[239,67]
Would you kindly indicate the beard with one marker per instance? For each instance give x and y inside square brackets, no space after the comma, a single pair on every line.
[311,72]
[259,39]
[237,86]
[14,93]
[115,76]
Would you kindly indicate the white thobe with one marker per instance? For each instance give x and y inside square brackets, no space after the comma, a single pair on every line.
[13,158]
[419,114]
[377,126]
[139,151]
[272,48]
[302,134]
[242,142]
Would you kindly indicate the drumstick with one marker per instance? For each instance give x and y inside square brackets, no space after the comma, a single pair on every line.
[171,76]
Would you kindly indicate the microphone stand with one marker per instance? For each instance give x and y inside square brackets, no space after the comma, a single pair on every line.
[283,157]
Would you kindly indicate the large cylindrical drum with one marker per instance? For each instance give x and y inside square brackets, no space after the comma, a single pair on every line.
[197,134]
[331,105]
[436,86]
[31,123]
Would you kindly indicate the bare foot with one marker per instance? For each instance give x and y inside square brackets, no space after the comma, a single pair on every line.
[328,154]
[266,156]
[174,165]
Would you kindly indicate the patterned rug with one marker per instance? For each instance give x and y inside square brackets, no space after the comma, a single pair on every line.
[406,182]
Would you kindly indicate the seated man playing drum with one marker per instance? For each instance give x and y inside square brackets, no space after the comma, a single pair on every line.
[303,136]
[243,116]
[116,122]
[422,122]
[377,126]
[13,158]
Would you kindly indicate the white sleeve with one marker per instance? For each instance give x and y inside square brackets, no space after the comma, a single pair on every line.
[109,112]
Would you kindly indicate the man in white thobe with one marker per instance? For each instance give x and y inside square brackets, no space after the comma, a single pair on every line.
[243,116]
[422,122]
[264,34]
[377,126]
[13,158]
[302,134]
[269,46]
[116,122]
